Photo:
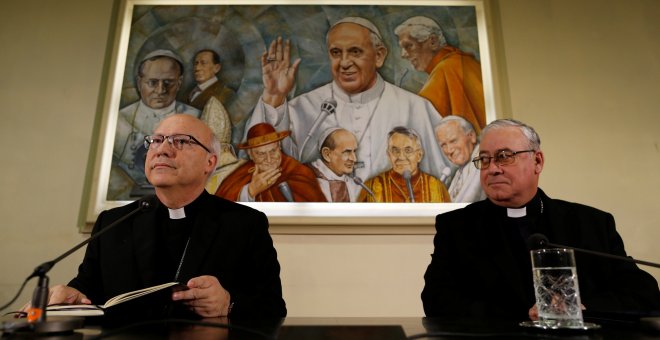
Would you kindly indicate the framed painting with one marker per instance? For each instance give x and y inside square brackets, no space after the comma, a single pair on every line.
[327,112]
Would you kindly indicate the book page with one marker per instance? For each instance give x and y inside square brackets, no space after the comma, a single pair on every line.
[141,292]
[74,310]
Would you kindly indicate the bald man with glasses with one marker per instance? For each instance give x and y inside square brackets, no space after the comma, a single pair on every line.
[158,79]
[481,265]
[220,250]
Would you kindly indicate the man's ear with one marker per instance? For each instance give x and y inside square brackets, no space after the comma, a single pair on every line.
[433,42]
[212,162]
[473,138]
[325,153]
[539,160]
[381,53]
[217,68]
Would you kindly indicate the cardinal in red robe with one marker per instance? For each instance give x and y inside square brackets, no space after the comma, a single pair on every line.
[270,175]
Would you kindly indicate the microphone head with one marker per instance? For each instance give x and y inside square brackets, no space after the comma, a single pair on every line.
[537,241]
[329,106]
[147,202]
[407,175]
[357,180]
[446,171]
[286,191]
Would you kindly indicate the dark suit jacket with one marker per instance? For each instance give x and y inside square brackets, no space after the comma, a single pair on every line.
[217,90]
[475,271]
[229,241]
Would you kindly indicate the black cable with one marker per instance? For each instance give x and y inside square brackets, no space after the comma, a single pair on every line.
[20,290]
[182,321]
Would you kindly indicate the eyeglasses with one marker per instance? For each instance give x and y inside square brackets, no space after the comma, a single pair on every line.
[178,141]
[504,157]
[407,151]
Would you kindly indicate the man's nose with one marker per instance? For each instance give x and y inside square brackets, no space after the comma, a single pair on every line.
[346,60]
[164,148]
[161,88]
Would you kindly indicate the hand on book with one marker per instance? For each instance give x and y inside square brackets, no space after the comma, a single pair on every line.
[206,297]
[62,294]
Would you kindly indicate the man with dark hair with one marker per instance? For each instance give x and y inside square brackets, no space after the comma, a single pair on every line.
[481,266]
[334,169]
[206,66]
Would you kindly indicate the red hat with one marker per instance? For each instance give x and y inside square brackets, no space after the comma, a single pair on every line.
[262,134]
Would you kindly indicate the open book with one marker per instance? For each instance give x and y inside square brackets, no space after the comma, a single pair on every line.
[95,310]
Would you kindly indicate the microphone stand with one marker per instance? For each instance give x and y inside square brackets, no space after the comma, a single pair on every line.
[36,314]
[597,253]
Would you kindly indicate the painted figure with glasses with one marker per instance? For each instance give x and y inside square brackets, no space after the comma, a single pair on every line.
[481,266]
[404,181]
[158,79]
[219,249]
[270,175]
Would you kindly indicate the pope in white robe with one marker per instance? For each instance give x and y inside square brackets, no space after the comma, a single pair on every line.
[365,104]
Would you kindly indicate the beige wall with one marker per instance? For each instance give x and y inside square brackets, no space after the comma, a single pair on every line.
[584,73]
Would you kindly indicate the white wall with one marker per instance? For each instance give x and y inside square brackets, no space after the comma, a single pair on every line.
[584,73]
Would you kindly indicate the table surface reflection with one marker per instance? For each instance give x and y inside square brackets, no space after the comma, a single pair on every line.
[348,328]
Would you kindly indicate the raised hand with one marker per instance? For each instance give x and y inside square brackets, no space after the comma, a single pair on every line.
[277,73]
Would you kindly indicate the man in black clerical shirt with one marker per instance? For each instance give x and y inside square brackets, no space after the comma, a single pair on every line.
[221,250]
[481,265]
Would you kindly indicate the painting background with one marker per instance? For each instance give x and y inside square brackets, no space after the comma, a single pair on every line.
[241,33]
[244,31]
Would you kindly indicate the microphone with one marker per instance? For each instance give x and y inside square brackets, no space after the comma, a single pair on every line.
[538,241]
[357,180]
[407,176]
[445,174]
[285,189]
[328,107]
[36,314]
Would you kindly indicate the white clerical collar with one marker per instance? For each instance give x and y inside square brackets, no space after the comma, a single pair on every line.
[516,212]
[159,112]
[207,83]
[177,214]
[327,172]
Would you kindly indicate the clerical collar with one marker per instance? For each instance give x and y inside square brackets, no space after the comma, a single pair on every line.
[177,214]
[188,211]
[514,212]
[533,207]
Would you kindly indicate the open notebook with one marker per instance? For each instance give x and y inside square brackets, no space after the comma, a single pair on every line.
[95,310]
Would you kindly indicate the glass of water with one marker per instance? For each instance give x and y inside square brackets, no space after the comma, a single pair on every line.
[556,288]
